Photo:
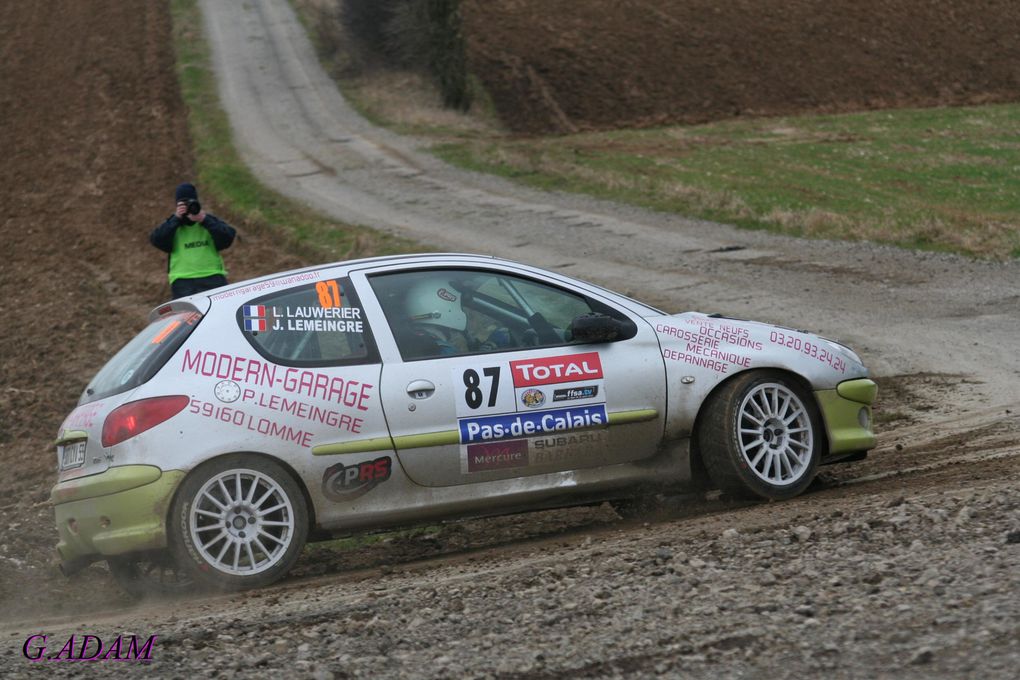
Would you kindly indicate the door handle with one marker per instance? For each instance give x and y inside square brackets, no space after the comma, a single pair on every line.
[420,389]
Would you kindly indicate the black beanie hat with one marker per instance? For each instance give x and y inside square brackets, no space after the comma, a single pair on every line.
[184,192]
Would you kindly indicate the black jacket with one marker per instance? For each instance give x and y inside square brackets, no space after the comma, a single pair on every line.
[163,236]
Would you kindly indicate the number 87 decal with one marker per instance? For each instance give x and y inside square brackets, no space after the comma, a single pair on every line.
[474,394]
[329,294]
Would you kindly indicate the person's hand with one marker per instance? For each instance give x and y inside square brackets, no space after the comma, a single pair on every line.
[182,209]
[197,219]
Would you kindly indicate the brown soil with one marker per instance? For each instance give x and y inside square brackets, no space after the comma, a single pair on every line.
[561,65]
[96,139]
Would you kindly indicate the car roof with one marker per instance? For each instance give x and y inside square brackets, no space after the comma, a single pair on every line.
[203,301]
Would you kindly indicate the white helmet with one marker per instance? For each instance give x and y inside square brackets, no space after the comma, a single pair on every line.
[433,300]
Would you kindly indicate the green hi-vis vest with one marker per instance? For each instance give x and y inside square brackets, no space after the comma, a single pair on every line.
[194,255]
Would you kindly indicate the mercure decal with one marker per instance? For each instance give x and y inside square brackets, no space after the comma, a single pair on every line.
[497,455]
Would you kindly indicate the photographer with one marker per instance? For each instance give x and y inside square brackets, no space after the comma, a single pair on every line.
[193,239]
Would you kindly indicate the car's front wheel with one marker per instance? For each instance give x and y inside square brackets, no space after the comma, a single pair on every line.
[238,522]
[761,436]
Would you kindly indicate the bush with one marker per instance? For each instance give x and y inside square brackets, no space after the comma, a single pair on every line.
[411,34]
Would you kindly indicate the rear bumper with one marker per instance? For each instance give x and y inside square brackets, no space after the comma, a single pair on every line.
[118,511]
[846,411]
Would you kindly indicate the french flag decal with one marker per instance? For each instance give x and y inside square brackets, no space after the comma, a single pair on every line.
[254,317]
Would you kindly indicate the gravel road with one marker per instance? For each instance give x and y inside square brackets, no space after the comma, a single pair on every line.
[300,136]
[906,564]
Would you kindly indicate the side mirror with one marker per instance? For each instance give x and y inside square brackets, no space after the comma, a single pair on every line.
[596,327]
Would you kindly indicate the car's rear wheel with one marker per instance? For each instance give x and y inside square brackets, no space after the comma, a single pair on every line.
[150,575]
[238,522]
[761,436]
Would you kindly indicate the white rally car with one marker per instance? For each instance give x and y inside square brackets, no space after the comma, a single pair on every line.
[377,393]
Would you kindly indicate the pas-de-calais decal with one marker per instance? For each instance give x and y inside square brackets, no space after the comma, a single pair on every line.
[512,425]
[344,483]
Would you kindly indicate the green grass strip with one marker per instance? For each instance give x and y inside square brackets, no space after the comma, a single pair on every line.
[935,179]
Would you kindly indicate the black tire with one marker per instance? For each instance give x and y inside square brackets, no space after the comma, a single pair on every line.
[150,575]
[767,407]
[238,522]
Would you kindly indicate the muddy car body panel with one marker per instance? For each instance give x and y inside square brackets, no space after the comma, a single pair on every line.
[413,388]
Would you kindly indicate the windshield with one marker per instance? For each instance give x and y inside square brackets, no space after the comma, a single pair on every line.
[139,360]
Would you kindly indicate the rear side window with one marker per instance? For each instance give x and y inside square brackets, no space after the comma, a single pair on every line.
[320,324]
[139,360]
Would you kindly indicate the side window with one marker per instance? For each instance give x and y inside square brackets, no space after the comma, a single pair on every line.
[449,312]
[556,306]
[319,324]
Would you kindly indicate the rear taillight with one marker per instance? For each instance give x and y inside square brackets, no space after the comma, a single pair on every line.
[136,417]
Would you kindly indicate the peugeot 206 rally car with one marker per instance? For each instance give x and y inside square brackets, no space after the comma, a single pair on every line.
[383,392]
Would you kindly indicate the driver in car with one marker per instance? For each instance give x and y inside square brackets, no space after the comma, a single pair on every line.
[439,324]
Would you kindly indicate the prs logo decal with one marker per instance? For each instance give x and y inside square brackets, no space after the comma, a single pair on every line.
[347,482]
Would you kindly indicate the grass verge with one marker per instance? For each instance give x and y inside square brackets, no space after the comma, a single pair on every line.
[222,173]
[935,179]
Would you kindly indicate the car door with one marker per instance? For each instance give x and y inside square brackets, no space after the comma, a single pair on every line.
[309,393]
[501,391]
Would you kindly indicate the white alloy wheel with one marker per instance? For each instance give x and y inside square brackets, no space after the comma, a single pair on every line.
[776,437]
[760,436]
[238,521]
[241,522]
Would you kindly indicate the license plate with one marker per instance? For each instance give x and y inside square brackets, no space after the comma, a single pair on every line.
[72,455]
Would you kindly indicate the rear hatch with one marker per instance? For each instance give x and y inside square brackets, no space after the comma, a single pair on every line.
[80,448]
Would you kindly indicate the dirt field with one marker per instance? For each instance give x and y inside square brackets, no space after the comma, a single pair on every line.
[906,564]
[670,61]
[97,139]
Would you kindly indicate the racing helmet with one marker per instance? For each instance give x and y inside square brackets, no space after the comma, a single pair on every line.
[433,300]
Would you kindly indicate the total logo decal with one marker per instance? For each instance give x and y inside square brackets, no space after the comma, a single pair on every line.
[555,370]
[346,482]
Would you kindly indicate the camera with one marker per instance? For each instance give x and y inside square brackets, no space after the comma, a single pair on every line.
[194,207]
